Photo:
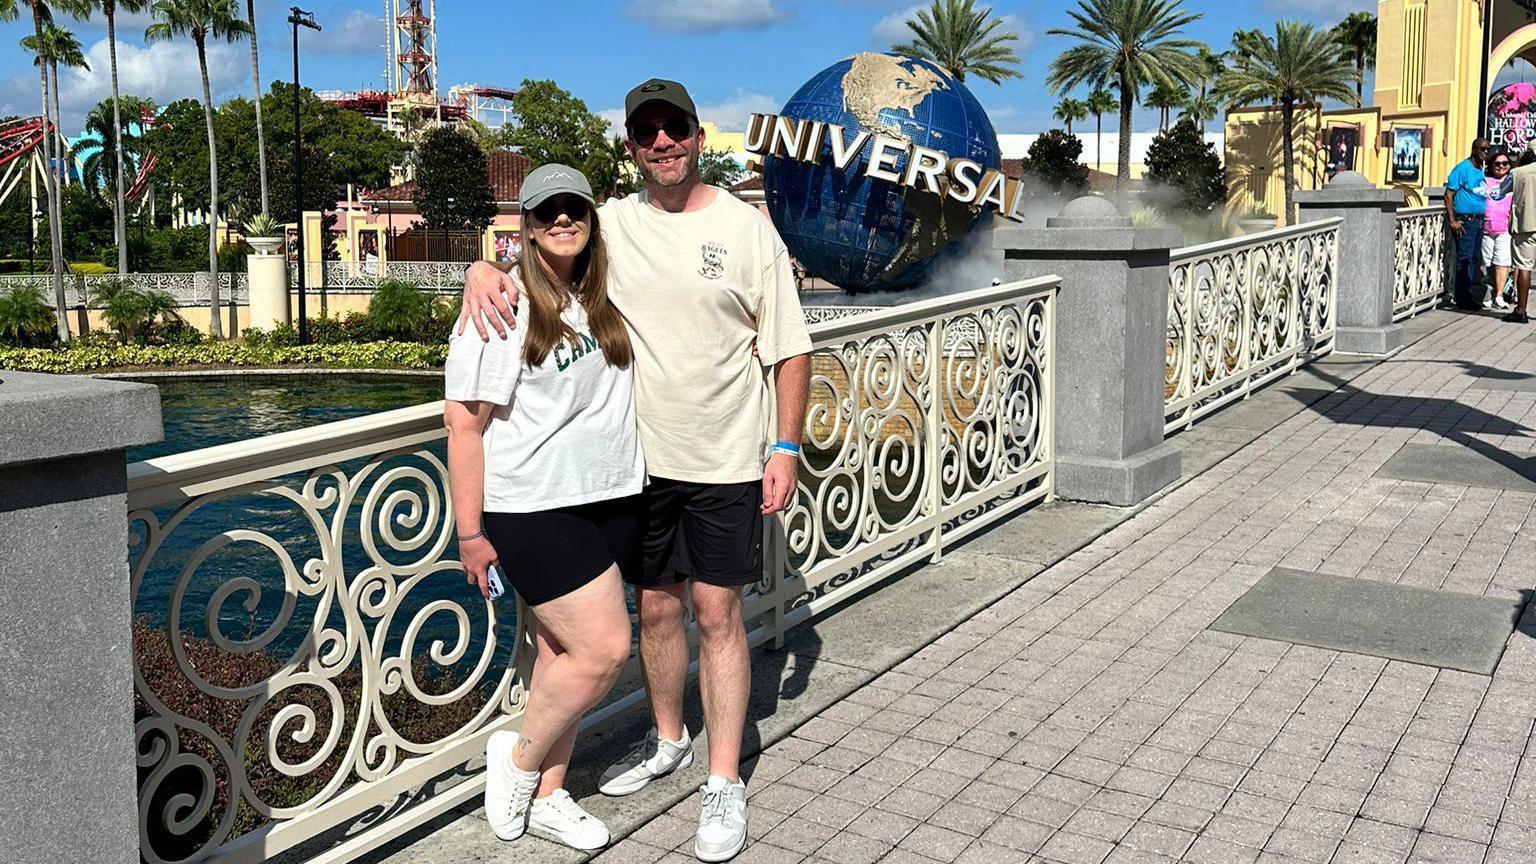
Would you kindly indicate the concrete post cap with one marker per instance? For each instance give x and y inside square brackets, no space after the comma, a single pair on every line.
[1089,211]
[1349,178]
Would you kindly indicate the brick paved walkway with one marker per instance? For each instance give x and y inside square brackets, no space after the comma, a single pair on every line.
[1090,716]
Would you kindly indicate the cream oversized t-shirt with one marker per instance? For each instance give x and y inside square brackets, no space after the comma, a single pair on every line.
[697,288]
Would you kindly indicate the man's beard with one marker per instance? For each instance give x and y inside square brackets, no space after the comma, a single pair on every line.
[691,164]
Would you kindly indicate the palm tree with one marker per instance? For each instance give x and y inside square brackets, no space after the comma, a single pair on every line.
[1300,66]
[1069,110]
[1203,107]
[1356,36]
[59,45]
[1129,42]
[99,137]
[109,9]
[1165,98]
[199,20]
[1200,109]
[1099,103]
[42,15]
[261,138]
[962,39]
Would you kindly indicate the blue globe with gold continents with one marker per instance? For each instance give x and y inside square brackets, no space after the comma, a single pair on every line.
[868,234]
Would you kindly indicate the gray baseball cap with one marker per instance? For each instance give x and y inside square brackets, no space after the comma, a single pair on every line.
[659,90]
[553,179]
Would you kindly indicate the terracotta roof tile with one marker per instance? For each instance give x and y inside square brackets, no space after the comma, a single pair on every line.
[504,168]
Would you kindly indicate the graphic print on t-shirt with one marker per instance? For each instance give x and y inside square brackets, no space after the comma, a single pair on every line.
[714,260]
[565,353]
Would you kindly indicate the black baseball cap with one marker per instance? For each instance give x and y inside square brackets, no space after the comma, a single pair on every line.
[659,90]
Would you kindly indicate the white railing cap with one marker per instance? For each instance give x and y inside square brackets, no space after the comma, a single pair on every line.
[1256,239]
[895,317]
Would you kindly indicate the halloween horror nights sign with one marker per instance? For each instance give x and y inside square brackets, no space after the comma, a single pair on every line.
[1512,117]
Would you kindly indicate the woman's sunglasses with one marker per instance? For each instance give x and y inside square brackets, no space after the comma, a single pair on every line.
[678,128]
[1501,163]
[570,205]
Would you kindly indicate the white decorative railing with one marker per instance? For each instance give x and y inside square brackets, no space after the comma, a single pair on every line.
[348,276]
[818,314]
[330,686]
[1244,311]
[1421,272]
[187,289]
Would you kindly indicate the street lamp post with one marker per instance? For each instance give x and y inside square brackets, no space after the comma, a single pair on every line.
[299,18]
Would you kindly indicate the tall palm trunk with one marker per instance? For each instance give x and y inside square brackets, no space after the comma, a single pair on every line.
[58,120]
[213,197]
[1098,142]
[1123,172]
[261,138]
[120,213]
[1288,135]
[51,190]
[1359,77]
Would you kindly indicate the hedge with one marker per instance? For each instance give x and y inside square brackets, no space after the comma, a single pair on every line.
[91,358]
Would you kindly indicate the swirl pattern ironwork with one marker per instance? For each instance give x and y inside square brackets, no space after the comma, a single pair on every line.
[187,289]
[1242,311]
[1419,249]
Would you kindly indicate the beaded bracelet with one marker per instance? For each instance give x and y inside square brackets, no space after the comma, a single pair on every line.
[480,533]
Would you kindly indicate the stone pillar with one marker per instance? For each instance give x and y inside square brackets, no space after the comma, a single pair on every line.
[268,275]
[1111,328]
[66,704]
[1367,261]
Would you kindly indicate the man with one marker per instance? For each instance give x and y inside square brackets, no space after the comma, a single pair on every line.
[1464,209]
[1522,230]
[702,280]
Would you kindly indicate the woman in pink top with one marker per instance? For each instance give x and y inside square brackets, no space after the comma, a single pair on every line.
[1496,252]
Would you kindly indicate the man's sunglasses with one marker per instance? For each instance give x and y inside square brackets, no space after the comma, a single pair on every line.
[678,128]
[549,210]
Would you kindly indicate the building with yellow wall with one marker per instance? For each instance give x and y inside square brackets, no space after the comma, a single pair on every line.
[1428,77]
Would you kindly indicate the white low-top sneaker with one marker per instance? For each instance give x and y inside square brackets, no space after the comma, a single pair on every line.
[559,818]
[722,819]
[654,757]
[508,789]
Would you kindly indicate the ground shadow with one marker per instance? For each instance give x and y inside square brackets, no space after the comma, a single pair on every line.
[1478,370]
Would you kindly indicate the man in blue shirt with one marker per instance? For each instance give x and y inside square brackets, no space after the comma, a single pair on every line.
[1464,208]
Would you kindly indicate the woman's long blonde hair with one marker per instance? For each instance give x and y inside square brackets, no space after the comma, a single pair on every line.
[546,300]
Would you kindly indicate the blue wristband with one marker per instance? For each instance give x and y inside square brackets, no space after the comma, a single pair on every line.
[786,446]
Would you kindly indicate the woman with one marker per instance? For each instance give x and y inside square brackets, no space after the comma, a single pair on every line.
[546,470]
[1496,250]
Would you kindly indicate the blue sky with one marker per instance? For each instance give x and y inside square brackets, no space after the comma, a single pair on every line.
[736,56]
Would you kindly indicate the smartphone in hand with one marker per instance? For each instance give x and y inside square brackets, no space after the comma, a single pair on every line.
[493,584]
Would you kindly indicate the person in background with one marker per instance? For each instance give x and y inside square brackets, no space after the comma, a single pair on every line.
[1496,258]
[1465,206]
[1522,226]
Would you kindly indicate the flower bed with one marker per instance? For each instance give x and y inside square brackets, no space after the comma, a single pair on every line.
[231,355]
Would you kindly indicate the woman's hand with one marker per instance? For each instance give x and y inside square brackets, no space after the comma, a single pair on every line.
[477,555]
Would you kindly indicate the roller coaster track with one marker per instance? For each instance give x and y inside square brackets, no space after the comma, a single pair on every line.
[21,145]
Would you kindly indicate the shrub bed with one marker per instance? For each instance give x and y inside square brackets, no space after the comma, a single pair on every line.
[88,356]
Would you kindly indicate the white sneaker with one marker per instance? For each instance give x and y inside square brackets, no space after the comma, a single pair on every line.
[559,818]
[654,757]
[1498,302]
[722,819]
[508,789]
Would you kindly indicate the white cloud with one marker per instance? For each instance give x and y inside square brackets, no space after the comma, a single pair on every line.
[615,118]
[731,114]
[357,33]
[162,71]
[1329,9]
[693,16]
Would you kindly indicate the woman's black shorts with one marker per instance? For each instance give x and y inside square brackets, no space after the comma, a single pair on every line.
[549,554]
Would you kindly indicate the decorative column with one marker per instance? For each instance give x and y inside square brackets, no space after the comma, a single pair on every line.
[267,271]
[1367,259]
[66,707]
[1111,329]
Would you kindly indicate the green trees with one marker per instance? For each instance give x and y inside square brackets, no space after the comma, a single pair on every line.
[1180,160]
[1054,160]
[103,148]
[719,168]
[1356,36]
[452,190]
[554,126]
[201,20]
[1131,43]
[1165,97]
[1299,66]
[131,311]
[963,39]
[25,319]
[1069,111]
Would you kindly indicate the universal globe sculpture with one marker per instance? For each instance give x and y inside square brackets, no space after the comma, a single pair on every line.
[863,233]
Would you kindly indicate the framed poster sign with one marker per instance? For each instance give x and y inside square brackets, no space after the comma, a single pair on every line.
[1407,165]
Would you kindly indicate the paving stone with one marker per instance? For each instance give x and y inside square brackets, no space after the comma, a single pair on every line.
[940,844]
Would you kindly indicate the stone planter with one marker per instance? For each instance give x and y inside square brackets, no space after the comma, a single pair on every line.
[265,245]
[1255,224]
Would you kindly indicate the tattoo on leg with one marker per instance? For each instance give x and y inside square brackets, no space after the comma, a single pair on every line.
[520,749]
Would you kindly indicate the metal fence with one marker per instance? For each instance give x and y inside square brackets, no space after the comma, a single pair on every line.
[330,688]
[1422,269]
[1244,311]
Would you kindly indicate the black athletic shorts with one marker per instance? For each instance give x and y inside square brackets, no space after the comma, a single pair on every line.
[710,532]
[549,554]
